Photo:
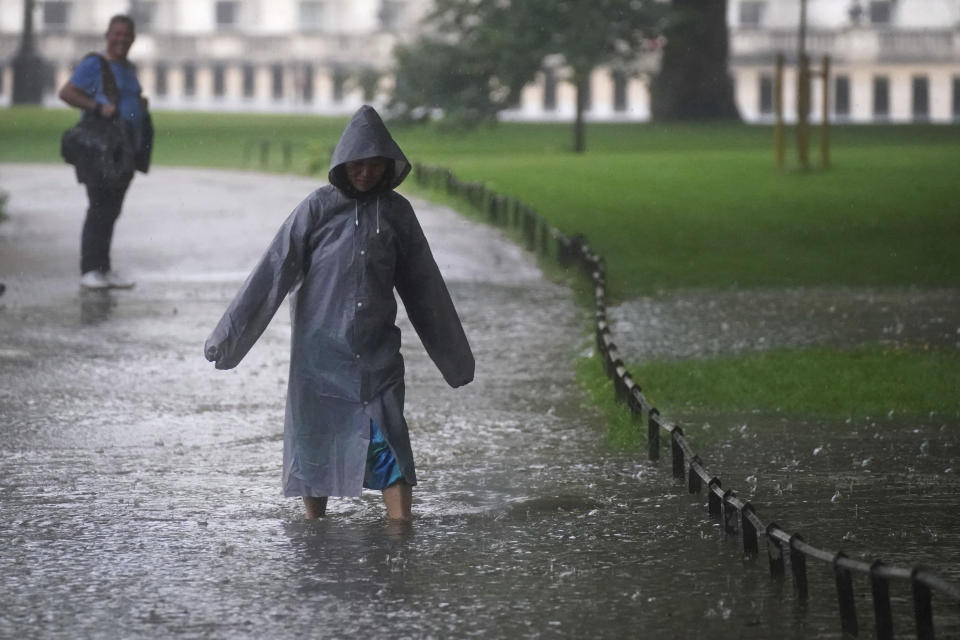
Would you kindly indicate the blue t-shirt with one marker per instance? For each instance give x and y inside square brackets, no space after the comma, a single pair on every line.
[87,78]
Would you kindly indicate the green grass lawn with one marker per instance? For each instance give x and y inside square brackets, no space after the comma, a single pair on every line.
[669,207]
[719,215]
[182,139]
[700,206]
[866,381]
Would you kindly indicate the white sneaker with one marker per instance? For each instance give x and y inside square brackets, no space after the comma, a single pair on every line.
[94,280]
[117,281]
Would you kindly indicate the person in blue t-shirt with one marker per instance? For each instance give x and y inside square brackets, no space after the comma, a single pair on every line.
[84,90]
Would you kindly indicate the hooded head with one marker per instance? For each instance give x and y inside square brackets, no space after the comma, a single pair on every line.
[365,137]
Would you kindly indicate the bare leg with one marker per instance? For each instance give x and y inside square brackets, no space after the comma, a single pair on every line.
[316,507]
[398,498]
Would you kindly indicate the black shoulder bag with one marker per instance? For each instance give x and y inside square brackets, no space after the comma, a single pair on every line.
[101,150]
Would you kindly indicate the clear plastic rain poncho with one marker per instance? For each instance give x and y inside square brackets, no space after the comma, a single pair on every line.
[343,253]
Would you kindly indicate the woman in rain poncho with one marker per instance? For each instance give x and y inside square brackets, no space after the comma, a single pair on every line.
[347,245]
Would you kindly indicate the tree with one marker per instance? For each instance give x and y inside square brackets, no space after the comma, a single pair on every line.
[30,70]
[485,51]
[433,75]
[694,82]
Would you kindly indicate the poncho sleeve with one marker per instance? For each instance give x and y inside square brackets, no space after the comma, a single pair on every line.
[253,307]
[429,306]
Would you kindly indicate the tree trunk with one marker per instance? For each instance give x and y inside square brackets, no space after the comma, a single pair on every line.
[579,128]
[29,68]
[694,80]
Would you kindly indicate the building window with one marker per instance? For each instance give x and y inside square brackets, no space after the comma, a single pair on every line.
[549,90]
[956,97]
[219,81]
[586,89]
[313,15]
[276,75]
[751,13]
[841,98]
[855,12]
[921,97]
[189,80]
[227,14]
[766,95]
[391,14]
[160,83]
[339,84]
[881,97]
[248,81]
[306,83]
[880,12]
[369,80]
[143,13]
[56,16]
[619,91]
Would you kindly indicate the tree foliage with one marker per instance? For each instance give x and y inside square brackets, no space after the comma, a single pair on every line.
[481,53]
[436,75]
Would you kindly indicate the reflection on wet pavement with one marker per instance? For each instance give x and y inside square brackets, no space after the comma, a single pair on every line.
[95,306]
[139,488]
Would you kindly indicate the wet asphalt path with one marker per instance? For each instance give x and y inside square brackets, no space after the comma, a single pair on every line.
[139,487]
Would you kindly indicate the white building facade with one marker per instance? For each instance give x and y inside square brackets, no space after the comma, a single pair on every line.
[892,60]
[322,56]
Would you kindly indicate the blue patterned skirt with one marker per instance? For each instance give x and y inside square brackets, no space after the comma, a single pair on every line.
[382,469]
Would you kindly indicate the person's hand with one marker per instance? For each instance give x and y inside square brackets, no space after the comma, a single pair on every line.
[144,103]
[107,110]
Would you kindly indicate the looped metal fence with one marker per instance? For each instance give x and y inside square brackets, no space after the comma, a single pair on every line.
[736,516]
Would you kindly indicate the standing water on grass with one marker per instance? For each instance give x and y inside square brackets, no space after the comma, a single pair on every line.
[139,489]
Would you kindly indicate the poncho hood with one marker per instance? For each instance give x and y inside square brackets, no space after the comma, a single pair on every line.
[365,136]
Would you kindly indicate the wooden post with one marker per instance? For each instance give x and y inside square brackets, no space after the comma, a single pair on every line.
[653,434]
[803,91]
[803,112]
[825,125]
[778,107]
[881,603]
[677,451]
[798,566]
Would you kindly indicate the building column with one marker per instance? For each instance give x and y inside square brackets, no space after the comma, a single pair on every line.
[861,95]
[638,98]
[175,83]
[901,95]
[601,90]
[531,98]
[263,83]
[323,87]
[147,75]
[61,74]
[941,94]
[747,92]
[204,83]
[233,84]
[566,97]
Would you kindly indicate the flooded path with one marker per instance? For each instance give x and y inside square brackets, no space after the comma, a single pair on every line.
[704,324]
[883,486]
[139,487]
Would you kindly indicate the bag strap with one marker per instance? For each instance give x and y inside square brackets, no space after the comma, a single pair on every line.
[107,80]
